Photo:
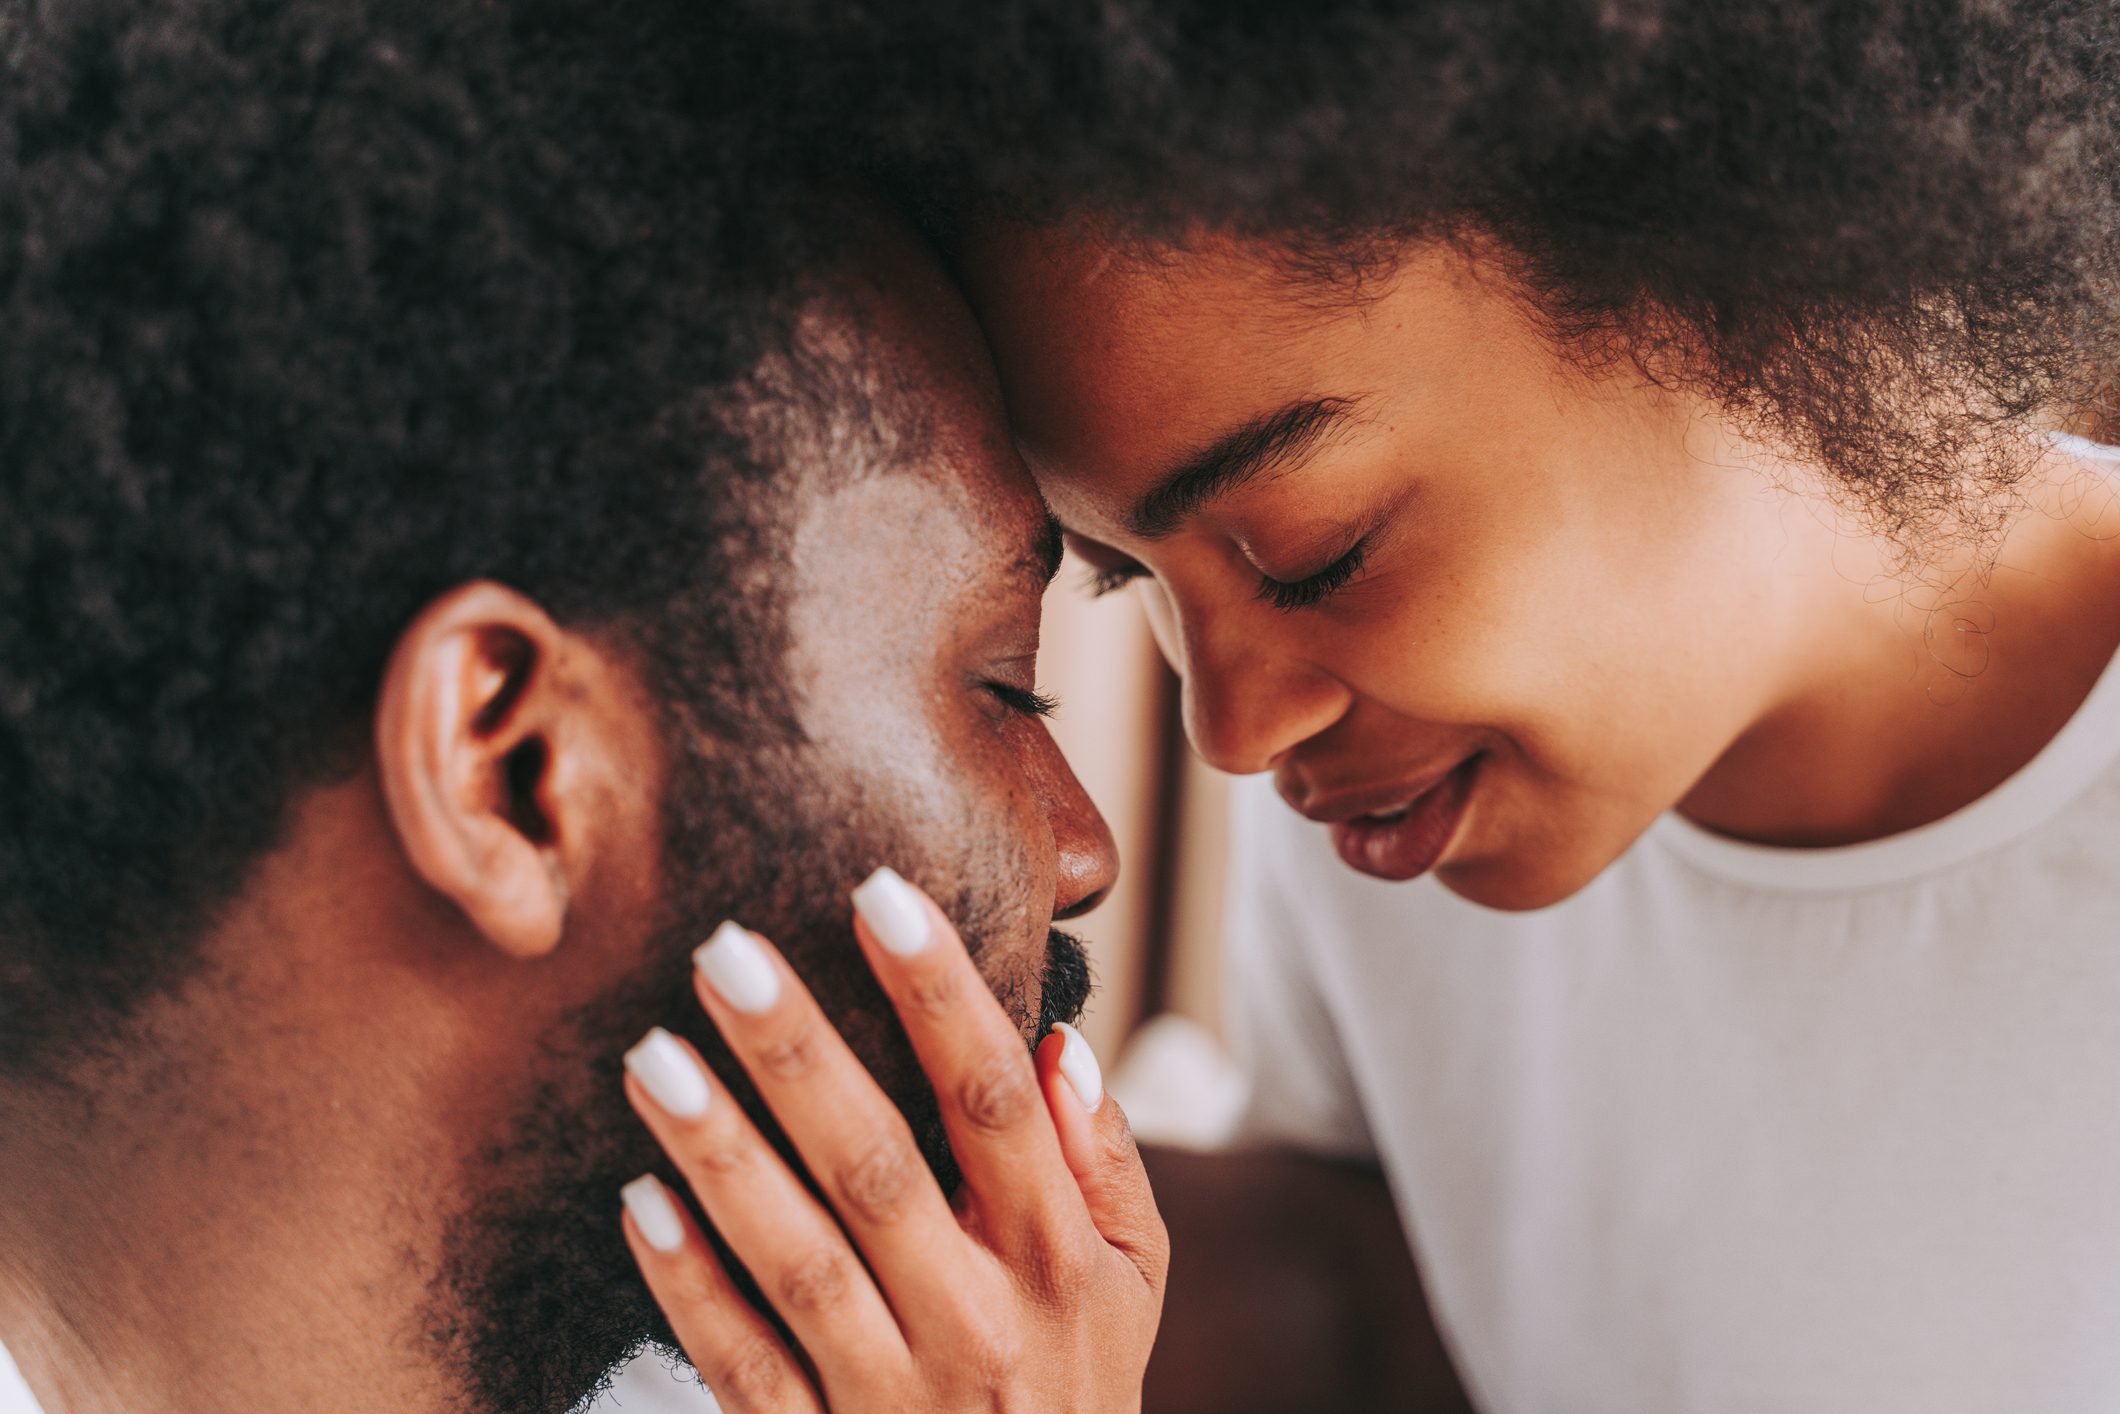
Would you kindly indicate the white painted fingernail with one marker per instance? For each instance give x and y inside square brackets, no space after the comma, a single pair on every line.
[737,968]
[654,1213]
[1078,1064]
[893,910]
[666,1070]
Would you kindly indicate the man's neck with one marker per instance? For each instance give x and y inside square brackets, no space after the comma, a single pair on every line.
[256,1226]
[138,1278]
[51,1358]
[264,1188]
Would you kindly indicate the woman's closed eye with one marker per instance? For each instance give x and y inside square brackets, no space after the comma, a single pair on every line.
[1318,586]
[1110,572]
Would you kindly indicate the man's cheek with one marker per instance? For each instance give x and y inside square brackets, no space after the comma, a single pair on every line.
[1021,995]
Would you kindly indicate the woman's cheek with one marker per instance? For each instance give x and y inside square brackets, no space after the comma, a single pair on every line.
[1162,622]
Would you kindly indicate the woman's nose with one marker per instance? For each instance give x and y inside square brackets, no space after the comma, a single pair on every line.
[1249,698]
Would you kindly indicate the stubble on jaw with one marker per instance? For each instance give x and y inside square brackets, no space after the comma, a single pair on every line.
[538,1300]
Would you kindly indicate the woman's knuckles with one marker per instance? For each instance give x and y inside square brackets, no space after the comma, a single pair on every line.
[876,1187]
[1013,1350]
[815,1284]
[751,1375]
[1118,1153]
[791,1052]
[932,993]
[1057,1269]
[716,1153]
[999,1093]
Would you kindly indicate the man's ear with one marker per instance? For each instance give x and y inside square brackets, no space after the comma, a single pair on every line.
[480,747]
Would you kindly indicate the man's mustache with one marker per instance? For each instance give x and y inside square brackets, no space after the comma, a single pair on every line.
[1069,982]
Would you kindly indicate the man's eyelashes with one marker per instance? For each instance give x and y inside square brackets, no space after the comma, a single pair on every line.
[1027,702]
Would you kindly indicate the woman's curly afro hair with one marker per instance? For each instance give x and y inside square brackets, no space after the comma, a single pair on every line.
[1886,233]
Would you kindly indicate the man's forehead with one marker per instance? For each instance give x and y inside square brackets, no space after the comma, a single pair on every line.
[943,529]
[920,414]
[983,511]
[1021,537]
[956,455]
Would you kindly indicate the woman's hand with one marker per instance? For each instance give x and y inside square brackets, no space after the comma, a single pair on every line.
[1039,1289]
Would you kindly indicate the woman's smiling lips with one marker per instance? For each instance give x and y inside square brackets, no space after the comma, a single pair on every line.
[1395,831]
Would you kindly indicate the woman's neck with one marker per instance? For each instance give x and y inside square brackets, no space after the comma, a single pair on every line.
[1909,699]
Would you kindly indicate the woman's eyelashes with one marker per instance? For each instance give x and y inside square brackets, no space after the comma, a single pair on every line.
[1110,572]
[1110,579]
[1316,588]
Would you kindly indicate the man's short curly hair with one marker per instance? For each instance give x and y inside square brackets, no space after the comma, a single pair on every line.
[309,310]
[1886,233]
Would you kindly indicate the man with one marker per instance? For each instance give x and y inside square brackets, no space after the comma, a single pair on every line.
[451,556]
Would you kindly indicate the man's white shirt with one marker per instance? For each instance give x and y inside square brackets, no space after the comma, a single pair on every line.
[646,1386]
[15,1397]
[649,1386]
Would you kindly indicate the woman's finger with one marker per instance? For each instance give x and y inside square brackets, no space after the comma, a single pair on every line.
[738,1355]
[850,1135]
[1099,1147]
[981,1071]
[770,1221]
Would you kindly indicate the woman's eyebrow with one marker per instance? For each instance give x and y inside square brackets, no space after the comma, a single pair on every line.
[1274,441]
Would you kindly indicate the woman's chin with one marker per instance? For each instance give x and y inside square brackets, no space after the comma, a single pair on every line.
[1520,877]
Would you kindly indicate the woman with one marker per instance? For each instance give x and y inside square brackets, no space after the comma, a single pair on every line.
[1611,467]
[1770,976]
[1648,522]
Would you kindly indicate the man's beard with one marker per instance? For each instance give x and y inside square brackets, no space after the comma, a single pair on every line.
[540,1300]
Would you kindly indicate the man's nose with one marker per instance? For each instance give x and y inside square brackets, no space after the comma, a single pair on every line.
[1087,857]
[1249,698]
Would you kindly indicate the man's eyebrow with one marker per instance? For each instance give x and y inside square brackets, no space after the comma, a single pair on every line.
[1051,548]
[1270,442]
[1042,557]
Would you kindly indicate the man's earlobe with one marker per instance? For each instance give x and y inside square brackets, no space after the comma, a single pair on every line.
[465,749]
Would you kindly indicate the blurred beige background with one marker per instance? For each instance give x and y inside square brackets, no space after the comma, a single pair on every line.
[1153,943]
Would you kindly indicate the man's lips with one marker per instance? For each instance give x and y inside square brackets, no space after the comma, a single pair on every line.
[1398,830]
